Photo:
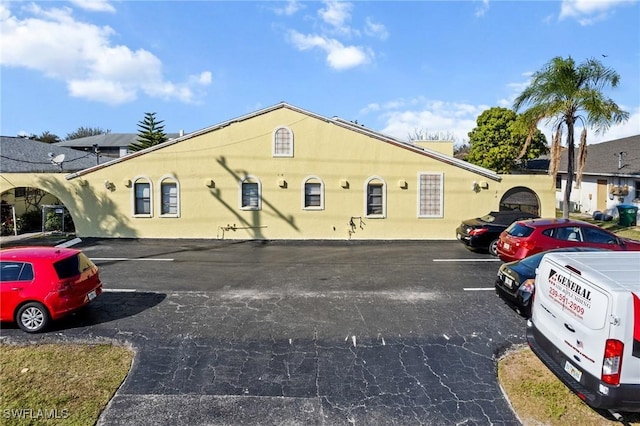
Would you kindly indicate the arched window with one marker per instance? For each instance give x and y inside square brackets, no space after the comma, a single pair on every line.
[283,142]
[142,197]
[313,195]
[375,198]
[169,197]
[250,193]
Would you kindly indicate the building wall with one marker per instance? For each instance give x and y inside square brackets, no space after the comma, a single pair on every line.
[585,198]
[210,166]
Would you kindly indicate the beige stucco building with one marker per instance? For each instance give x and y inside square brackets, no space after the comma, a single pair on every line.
[286,173]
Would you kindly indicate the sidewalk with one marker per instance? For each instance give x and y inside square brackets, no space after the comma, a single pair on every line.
[38,238]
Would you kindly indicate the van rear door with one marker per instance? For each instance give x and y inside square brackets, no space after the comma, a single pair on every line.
[573,313]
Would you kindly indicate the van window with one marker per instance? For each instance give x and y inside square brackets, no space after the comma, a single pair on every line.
[518,230]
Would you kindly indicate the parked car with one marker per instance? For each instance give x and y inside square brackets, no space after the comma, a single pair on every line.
[528,237]
[482,233]
[515,282]
[40,284]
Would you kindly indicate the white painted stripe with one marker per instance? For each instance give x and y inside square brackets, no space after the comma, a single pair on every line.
[124,259]
[119,290]
[467,260]
[478,288]
[70,243]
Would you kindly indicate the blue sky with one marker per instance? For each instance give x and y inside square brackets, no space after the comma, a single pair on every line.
[396,67]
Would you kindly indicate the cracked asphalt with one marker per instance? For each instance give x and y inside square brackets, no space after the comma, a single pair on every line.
[298,332]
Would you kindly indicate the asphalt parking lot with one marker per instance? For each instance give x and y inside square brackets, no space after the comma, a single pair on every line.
[299,332]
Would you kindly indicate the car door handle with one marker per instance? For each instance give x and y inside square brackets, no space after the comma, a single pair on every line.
[568,327]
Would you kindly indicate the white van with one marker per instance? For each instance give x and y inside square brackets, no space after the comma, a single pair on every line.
[585,325]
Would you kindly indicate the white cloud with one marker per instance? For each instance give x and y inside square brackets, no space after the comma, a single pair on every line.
[94,5]
[289,9]
[374,29]
[337,14]
[82,55]
[588,12]
[482,9]
[402,117]
[339,57]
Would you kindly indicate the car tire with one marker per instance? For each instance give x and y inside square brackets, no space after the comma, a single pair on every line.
[32,317]
[493,247]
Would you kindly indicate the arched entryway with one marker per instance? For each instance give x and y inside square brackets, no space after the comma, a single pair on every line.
[521,198]
[28,209]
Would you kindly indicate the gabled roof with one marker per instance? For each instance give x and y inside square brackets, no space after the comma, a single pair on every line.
[114,140]
[21,155]
[336,121]
[619,157]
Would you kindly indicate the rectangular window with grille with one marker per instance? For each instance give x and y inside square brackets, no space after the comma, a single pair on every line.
[430,195]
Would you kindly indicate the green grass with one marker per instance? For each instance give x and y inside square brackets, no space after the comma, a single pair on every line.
[539,398]
[59,384]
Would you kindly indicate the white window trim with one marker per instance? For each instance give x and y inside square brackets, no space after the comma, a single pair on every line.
[384,198]
[316,179]
[441,201]
[252,179]
[141,179]
[172,179]
[273,143]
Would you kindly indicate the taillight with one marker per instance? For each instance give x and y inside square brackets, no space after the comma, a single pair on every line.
[477,231]
[612,363]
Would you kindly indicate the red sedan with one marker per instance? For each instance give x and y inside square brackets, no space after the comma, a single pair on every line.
[527,237]
[40,284]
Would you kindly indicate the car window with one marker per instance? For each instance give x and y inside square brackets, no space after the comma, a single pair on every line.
[72,266]
[565,233]
[598,236]
[16,271]
[518,230]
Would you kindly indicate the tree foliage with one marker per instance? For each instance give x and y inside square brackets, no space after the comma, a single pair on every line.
[83,132]
[499,136]
[150,133]
[46,137]
[563,93]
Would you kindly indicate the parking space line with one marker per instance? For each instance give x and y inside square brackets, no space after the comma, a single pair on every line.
[478,288]
[124,259]
[467,260]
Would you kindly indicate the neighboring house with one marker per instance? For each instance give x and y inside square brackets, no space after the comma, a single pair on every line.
[21,155]
[287,173]
[109,145]
[611,176]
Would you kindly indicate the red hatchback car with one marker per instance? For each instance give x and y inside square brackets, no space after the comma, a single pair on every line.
[527,237]
[40,284]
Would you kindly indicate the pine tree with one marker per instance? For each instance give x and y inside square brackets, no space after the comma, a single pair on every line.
[150,133]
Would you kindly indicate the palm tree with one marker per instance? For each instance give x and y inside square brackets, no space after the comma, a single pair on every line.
[564,93]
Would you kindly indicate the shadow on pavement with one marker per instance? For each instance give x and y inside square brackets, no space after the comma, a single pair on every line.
[109,306]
